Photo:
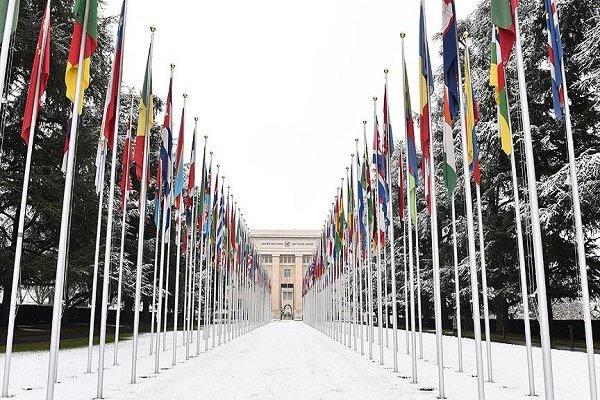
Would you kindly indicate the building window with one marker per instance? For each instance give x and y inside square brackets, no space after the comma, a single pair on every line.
[287,259]
[287,295]
[306,259]
[267,258]
[287,273]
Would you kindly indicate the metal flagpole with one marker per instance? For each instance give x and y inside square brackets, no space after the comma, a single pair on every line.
[385,294]
[109,224]
[140,250]
[95,273]
[457,288]
[437,301]
[5,48]
[359,258]
[522,270]
[208,273]
[122,249]
[486,312]
[471,252]
[156,247]
[167,270]
[538,250]
[66,211]
[354,258]
[406,303]
[392,241]
[22,210]
[418,264]
[377,222]
[413,336]
[177,263]
[582,263]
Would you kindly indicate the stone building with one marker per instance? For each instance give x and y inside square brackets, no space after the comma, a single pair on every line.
[286,254]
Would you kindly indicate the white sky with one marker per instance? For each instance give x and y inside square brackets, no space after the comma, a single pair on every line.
[280,87]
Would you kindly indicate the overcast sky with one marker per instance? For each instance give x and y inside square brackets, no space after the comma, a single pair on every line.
[280,87]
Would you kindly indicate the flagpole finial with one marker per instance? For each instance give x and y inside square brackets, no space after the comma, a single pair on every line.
[402,35]
[206,137]
[152,28]
[211,153]
[364,123]
[374,98]
[196,119]
[185,95]
[385,71]
[356,140]
[172,66]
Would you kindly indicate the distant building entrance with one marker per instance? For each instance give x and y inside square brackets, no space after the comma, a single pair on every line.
[286,254]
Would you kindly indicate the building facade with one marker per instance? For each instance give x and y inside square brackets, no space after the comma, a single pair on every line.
[286,255]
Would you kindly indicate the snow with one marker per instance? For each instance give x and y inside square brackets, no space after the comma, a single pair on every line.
[290,360]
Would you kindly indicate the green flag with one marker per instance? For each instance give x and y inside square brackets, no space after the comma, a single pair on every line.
[3,22]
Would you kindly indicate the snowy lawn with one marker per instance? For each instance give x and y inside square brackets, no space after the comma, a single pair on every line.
[290,360]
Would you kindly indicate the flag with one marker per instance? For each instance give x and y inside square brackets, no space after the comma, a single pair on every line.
[178,183]
[449,156]
[361,205]
[401,200]
[413,174]
[100,163]
[471,120]
[450,56]
[166,143]
[157,208]
[379,160]
[498,81]
[146,117]
[3,21]
[503,18]
[39,74]
[425,90]
[125,179]
[67,141]
[114,86]
[555,53]
[215,210]
[91,42]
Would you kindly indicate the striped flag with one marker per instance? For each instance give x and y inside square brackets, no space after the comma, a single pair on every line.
[451,97]
[471,119]
[145,118]
[82,7]
[166,144]
[125,166]
[498,81]
[425,91]
[503,18]
[178,181]
[39,73]
[555,53]
[413,174]
[3,21]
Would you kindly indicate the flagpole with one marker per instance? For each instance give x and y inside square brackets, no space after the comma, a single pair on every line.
[486,313]
[157,241]
[535,221]
[208,274]
[142,226]
[410,246]
[457,287]
[354,254]
[359,258]
[418,265]
[377,222]
[5,48]
[202,247]
[392,238]
[109,224]
[95,273]
[22,210]
[406,302]
[471,252]
[66,212]
[522,270]
[177,263]
[369,263]
[437,303]
[125,196]
[582,263]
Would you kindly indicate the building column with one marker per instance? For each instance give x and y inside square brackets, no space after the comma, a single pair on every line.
[298,287]
[275,288]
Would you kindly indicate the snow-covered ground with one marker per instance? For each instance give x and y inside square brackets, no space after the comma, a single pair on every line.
[290,360]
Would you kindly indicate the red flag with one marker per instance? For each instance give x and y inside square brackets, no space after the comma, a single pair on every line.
[39,74]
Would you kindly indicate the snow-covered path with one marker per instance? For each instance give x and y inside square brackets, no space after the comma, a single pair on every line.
[290,360]
[282,360]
